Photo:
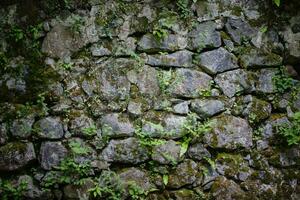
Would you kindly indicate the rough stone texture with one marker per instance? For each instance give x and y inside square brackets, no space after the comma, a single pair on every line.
[173,125]
[264,82]
[109,80]
[239,30]
[235,82]
[21,128]
[61,42]
[257,58]
[185,173]
[50,128]
[138,177]
[178,59]
[216,61]
[198,152]
[80,123]
[229,132]
[15,155]
[227,190]
[78,191]
[51,153]
[181,108]
[204,35]
[149,43]
[128,151]
[292,40]
[233,166]
[257,110]
[189,83]
[166,153]
[207,107]
[145,79]
[116,125]
[3,134]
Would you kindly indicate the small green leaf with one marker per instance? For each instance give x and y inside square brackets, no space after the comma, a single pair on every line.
[264,29]
[277,2]
[184,146]
[165,179]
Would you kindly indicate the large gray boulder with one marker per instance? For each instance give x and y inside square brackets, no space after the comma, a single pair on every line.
[239,30]
[116,125]
[51,154]
[146,80]
[166,153]
[235,82]
[49,128]
[127,151]
[15,155]
[216,61]
[257,58]
[189,83]
[185,173]
[204,35]
[229,132]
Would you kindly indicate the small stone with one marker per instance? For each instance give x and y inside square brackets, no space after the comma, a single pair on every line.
[181,108]
[173,125]
[116,125]
[99,50]
[149,43]
[183,194]
[178,59]
[216,61]
[207,107]
[229,132]
[235,82]
[15,155]
[134,108]
[166,153]
[51,154]
[127,151]
[189,83]
[186,173]
[204,35]
[49,128]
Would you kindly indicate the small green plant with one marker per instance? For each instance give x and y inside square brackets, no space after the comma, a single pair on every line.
[3,60]
[73,172]
[160,29]
[17,34]
[282,81]
[42,105]
[290,132]
[146,140]
[136,192]
[76,24]
[90,131]
[192,129]
[66,66]
[164,80]
[277,2]
[107,186]
[78,149]
[12,191]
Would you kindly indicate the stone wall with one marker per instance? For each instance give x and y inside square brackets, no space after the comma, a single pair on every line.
[150,100]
